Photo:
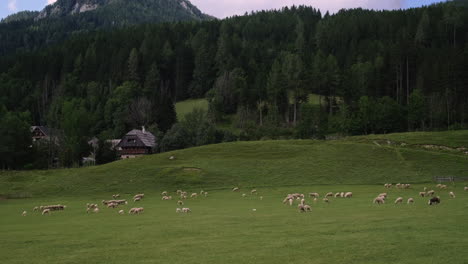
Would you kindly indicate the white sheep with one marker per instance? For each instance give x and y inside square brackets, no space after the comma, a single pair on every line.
[136,199]
[399,200]
[307,208]
[314,195]
[244,195]
[379,200]
[164,193]
[326,200]
[466,188]
[452,194]
[431,192]
[205,194]
[315,200]
[337,195]
[253,191]
[330,194]
[186,210]
[121,212]
[35,209]
[235,189]
[261,198]
[348,195]
[194,195]
[422,194]
[342,194]
[291,201]
[178,210]
[180,203]
[46,211]
[24,213]
[410,200]
[383,195]
[115,196]
[96,210]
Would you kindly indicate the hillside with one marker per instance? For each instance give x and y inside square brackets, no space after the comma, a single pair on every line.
[248,164]
[56,22]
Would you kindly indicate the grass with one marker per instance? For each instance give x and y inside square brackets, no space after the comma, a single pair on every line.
[224,229]
[247,164]
[187,106]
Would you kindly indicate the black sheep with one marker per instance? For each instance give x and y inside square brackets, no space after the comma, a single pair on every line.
[434,200]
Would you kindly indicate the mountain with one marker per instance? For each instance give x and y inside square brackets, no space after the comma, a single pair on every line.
[32,30]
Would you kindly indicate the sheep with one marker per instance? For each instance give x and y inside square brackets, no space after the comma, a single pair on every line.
[302,201]
[315,200]
[379,200]
[166,198]
[398,185]
[115,196]
[254,210]
[136,210]
[410,200]
[205,194]
[422,194]
[425,189]
[244,195]
[194,195]
[466,188]
[452,194]
[383,195]
[136,199]
[121,212]
[431,193]
[178,210]
[314,195]
[141,195]
[399,200]
[46,211]
[96,210]
[443,186]
[342,194]
[179,192]
[434,200]
[186,210]
[388,185]
[164,193]
[235,189]
[291,202]
[24,213]
[184,197]
[253,191]
[438,185]
[348,195]
[337,195]
[261,198]
[180,203]
[35,209]
[330,194]
[326,200]
[301,208]
[307,208]
[112,205]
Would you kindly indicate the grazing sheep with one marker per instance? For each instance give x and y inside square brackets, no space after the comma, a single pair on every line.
[315,200]
[434,200]
[178,210]
[36,209]
[261,198]
[383,195]
[46,211]
[425,189]
[398,185]
[184,197]
[452,194]
[291,202]
[194,195]
[179,192]
[205,194]
[302,201]
[438,185]
[326,200]
[171,158]
[431,193]
[136,199]
[330,194]
[186,210]
[136,210]
[466,188]
[164,193]
[112,205]
[121,212]
[314,195]
[379,200]
[141,195]
[422,194]
[115,196]
[166,198]
[399,200]
[180,203]
[348,195]
[24,213]
[388,185]
[342,194]
[253,191]
[307,208]
[254,210]
[244,195]
[301,208]
[235,189]
[96,210]
[337,195]
[410,200]
[443,186]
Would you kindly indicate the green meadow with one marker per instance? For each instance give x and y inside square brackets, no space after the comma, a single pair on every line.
[224,228]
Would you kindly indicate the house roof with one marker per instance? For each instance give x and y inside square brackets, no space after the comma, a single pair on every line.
[138,138]
[47,131]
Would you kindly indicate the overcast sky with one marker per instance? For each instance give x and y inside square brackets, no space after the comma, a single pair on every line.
[224,8]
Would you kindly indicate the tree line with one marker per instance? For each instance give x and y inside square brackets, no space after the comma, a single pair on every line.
[373,71]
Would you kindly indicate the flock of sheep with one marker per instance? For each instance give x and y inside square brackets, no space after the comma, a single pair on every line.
[289,199]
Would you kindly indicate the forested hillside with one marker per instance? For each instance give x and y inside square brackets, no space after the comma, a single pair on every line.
[378,71]
[32,30]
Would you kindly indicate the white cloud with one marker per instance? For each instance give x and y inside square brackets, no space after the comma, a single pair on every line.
[12,5]
[49,2]
[223,8]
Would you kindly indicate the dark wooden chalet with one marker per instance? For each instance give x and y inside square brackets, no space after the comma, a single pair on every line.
[136,143]
[42,132]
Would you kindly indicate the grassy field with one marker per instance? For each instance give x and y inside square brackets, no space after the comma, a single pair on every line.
[223,228]
[187,106]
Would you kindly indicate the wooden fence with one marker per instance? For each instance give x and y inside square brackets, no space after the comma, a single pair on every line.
[450,179]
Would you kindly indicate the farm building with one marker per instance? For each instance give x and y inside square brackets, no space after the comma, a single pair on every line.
[136,143]
[43,132]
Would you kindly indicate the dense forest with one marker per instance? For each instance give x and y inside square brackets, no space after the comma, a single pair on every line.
[374,71]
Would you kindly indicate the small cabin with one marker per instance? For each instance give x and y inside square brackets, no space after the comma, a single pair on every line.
[136,143]
[39,133]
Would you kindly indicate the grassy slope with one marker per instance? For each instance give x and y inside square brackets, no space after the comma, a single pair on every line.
[187,106]
[265,163]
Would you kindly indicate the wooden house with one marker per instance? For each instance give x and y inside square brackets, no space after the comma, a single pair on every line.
[136,143]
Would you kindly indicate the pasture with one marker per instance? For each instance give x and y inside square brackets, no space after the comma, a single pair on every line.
[223,228]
